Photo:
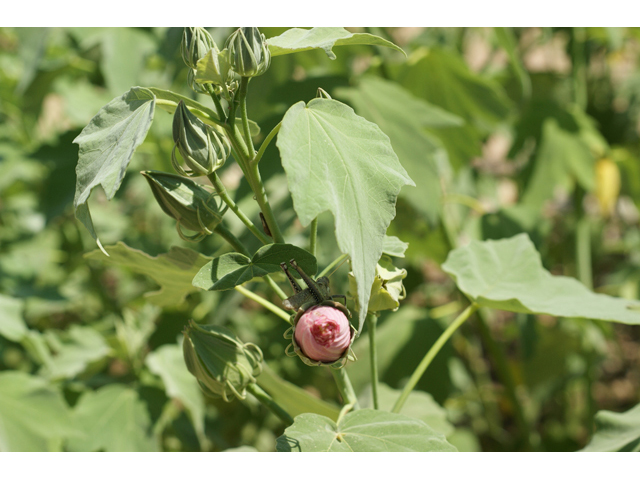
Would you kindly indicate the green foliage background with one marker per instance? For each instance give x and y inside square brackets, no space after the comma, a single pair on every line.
[504,131]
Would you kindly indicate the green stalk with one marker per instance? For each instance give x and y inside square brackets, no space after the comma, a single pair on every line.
[266,142]
[583,252]
[231,239]
[268,402]
[371,322]
[330,267]
[265,303]
[222,191]
[313,236]
[255,181]
[242,97]
[216,102]
[428,358]
[345,387]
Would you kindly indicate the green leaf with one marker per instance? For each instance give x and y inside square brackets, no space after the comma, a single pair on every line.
[394,246]
[419,405]
[403,117]
[508,275]
[338,161]
[12,325]
[73,351]
[233,269]
[300,39]
[33,415]
[173,271]
[562,159]
[292,398]
[113,419]
[168,363]
[616,432]
[107,144]
[361,431]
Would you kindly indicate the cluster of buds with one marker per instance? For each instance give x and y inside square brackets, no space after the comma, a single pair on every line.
[188,202]
[223,365]
[201,146]
[196,43]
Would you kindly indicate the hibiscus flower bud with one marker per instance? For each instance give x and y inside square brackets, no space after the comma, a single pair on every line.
[323,333]
[248,52]
[196,42]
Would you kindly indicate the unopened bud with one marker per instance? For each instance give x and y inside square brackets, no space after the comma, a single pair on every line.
[194,207]
[249,55]
[196,43]
[223,364]
[202,148]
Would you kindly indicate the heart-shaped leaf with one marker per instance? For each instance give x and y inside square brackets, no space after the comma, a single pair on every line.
[361,431]
[508,275]
[173,271]
[107,144]
[300,39]
[232,269]
[338,161]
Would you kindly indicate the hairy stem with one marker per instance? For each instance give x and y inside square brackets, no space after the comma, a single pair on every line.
[345,387]
[428,358]
[268,402]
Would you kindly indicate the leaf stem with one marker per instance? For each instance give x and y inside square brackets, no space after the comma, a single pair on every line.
[266,142]
[313,237]
[222,191]
[330,267]
[261,197]
[268,402]
[344,386]
[264,302]
[428,358]
[371,322]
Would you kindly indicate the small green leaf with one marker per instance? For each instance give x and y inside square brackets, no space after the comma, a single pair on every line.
[33,414]
[508,275]
[168,363]
[299,40]
[232,269]
[394,247]
[12,325]
[616,432]
[338,161]
[113,419]
[107,144]
[361,431]
[173,271]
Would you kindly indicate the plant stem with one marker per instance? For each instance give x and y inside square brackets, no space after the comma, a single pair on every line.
[268,402]
[264,302]
[313,237]
[583,252]
[266,142]
[231,239]
[216,102]
[579,70]
[330,267]
[371,322]
[242,98]
[274,286]
[344,386]
[222,191]
[428,358]
[255,181]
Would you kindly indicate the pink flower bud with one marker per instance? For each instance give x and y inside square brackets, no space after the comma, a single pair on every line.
[323,333]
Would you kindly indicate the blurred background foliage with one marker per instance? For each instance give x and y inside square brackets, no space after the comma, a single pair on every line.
[503,130]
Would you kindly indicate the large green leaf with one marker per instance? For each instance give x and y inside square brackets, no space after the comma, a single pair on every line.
[173,271]
[233,269]
[294,399]
[361,431]
[12,325]
[403,117]
[33,415]
[73,351]
[113,419]
[562,160]
[508,275]
[300,39]
[168,363]
[107,144]
[616,432]
[338,161]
